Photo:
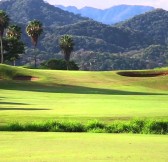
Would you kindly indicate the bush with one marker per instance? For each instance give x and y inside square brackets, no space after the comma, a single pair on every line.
[94,126]
[55,64]
[155,127]
[117,127]
[136,126]
[15,127]
[68,126]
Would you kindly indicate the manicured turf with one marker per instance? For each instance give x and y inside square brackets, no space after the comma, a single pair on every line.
[63,147]
[80,96]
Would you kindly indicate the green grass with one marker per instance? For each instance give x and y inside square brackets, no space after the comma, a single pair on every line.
[63,147]
[81,96]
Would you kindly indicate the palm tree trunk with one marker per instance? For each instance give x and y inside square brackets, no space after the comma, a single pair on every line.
[14,62]
[2,59]
[67,63]
[35,58]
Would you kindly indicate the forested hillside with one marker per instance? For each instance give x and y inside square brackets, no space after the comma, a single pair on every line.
[153,26]
[127,45]
[23,11]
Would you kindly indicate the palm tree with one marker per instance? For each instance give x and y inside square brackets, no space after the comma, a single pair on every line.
[34,30]
[4,22]
[14,32]
[67,45]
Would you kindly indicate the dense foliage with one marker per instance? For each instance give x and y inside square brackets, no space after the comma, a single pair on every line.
[152,26]
[13,50]
[136,126]
[23,11]
[59,64]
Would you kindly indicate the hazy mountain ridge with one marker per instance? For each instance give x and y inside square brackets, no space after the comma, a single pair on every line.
[22,11]
[111,15]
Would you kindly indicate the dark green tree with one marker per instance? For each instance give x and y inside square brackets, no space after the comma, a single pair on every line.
[14,31]
[67,45]
[4,22]
[59,64]
[13,48]
[14,45]
[34,29]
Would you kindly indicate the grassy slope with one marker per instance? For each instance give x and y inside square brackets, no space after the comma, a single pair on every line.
[80,96]
[82,147]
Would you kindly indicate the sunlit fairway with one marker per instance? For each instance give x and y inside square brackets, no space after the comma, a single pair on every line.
[80,96]
[66,147]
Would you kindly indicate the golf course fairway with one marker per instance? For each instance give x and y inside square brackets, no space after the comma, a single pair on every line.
[70,147]
[32,96]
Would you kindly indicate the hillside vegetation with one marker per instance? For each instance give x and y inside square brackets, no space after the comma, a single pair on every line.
[128,41]
[22,11]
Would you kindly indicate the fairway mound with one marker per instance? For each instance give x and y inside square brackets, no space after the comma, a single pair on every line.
[25,78]
[142,74]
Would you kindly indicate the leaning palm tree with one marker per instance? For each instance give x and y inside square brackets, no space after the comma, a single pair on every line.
[14,32]
[4,22]
[67,45]
[34,30]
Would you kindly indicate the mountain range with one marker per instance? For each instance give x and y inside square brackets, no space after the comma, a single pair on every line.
[22,11]
[109,16]
[126,45]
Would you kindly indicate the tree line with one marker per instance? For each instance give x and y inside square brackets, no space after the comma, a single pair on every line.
[12,46]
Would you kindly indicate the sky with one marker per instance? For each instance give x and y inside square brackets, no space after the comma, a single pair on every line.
[102,4]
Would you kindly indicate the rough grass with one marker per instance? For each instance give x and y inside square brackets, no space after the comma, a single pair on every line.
[135,126]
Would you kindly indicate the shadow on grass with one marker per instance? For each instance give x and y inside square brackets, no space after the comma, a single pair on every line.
[60,88]
[12,103]
[23,109]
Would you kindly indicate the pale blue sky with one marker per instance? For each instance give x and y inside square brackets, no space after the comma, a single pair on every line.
[108,3]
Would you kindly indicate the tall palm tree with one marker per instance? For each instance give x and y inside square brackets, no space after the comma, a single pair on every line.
[4,22]
[34,29]
[14,32]
[67,45]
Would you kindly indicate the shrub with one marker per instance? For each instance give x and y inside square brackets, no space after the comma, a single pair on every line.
[55,64]
[117,127]
[155,127]
[134,126]
[94,125]
[15,127]
[68,126]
